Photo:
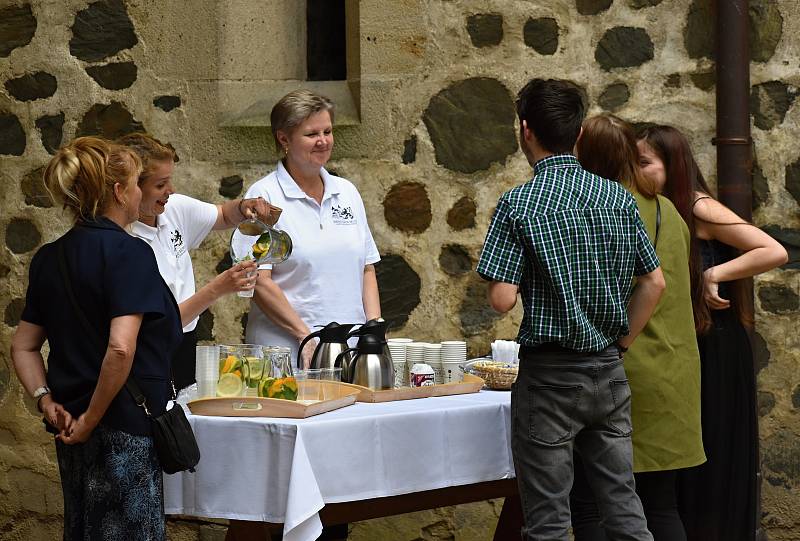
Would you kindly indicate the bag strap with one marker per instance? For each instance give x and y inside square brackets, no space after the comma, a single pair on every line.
[91,331]
[658,222]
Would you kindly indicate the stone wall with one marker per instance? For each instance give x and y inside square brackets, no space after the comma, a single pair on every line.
[427,134]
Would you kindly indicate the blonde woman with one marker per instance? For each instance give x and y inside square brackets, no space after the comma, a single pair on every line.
[110,474]
[173,224]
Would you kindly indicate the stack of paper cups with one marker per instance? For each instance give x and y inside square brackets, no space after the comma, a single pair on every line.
[433,357]
[206,370]
[414,355]
[454,354]
[397,347]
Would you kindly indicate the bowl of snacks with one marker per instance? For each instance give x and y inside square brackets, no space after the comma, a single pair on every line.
[497,375]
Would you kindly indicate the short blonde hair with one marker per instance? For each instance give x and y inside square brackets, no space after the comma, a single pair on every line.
[82,174]
[292,109]
[150,150]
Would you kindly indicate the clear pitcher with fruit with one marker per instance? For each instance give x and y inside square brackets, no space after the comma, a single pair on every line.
[253,239]
[278,380]
[240,370]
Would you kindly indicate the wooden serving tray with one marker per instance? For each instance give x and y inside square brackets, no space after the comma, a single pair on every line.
[336,396]
[471,384]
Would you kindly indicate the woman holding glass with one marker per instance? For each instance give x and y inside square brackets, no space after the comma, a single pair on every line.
[330,275]
[172,224]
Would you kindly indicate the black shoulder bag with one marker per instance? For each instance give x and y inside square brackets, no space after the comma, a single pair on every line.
[173,438]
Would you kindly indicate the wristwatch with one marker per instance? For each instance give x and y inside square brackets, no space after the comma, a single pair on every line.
[39,393]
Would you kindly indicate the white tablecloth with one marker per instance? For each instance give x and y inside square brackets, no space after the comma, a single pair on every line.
[286,470]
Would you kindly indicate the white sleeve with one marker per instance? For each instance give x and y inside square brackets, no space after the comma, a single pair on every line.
[197,218]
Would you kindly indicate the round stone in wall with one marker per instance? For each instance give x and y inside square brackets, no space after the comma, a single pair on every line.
[231,187]
[399,287]
[781,458]
[455,260]
[541,35]
[5,378]
[704,80]
[17,27]
[410,150]
[34,190]
[205,327]
[101,30]
[51,127]
[624,47]
[32,86]
[485,29]
[614,96]
[471,124]
[778,299]
[761,353]
[167,103]
[225,263]
[114,76]
[22,235]
[592,7]
[766,29]
[12,136]
[406,207]
[640,4]
[475,314]
[13,312]
[110,121]
[699,32]
[462,215]
[792,180]
[769,103]
[766,401]
[760,185]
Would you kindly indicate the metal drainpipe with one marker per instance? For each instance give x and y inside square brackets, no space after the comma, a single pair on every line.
[734,145]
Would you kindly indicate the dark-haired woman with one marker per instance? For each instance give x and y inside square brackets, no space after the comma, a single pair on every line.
[717,500]
[663,364]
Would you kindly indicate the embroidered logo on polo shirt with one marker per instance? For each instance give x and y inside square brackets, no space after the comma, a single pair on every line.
[177,243]
[342,215]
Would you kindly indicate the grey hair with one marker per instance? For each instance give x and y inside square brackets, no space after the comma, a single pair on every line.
[292,109]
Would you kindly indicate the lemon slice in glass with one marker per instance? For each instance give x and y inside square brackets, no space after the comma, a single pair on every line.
[229,385]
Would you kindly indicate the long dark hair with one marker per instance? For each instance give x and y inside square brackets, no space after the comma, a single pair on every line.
[683,181]
[607,147]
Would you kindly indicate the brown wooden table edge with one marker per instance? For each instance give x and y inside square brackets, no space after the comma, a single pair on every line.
[339,513]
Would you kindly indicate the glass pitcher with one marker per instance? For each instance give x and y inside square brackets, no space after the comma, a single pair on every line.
[280,382]
[253,239]
[240,370]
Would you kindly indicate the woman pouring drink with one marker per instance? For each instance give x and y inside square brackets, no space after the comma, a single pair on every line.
[330,276]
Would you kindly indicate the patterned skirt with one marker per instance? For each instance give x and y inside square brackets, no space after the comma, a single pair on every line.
[112,488]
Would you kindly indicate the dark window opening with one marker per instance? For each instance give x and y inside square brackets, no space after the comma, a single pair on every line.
[326,44]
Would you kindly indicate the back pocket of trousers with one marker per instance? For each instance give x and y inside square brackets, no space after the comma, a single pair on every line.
[552,412]
[620,417]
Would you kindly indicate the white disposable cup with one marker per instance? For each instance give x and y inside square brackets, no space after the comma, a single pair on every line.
[452,372]
[206,370]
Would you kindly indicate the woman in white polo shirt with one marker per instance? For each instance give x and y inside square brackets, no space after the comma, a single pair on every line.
[172,224]
[330,275]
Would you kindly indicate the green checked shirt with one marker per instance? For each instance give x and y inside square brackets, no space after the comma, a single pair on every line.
[573,242]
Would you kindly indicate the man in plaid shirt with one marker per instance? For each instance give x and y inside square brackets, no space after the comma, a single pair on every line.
[571,244]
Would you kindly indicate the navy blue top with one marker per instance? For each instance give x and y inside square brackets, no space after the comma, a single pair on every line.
[112,274]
